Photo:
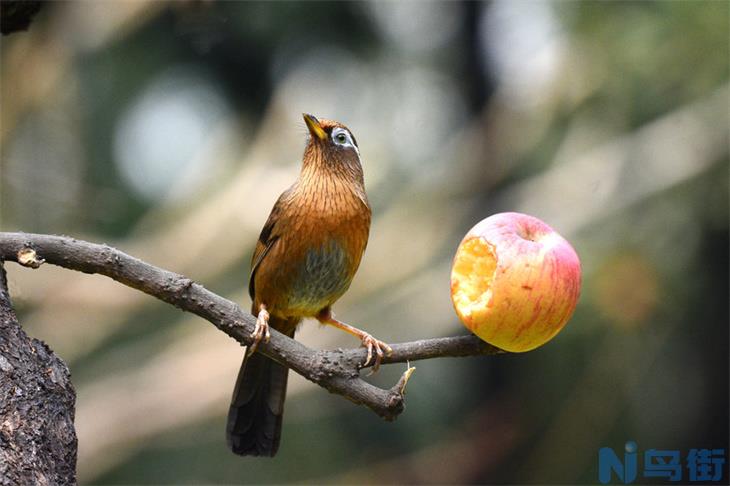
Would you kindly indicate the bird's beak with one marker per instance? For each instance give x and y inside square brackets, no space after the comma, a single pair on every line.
[314,127]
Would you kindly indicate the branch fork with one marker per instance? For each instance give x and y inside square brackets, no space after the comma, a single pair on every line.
[336,370]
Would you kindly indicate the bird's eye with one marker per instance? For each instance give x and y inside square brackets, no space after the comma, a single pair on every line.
[340,138]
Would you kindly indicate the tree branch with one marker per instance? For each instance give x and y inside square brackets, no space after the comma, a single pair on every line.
[37,436]
[336,370]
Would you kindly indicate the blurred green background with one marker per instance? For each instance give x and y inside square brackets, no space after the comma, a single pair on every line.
[169,129]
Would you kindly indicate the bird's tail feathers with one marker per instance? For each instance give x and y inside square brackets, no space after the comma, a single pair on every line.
[257,406]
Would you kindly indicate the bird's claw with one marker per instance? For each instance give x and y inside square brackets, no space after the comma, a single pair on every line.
[371,344]
[261,331]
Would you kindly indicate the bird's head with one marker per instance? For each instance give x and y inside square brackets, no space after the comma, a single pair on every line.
[331,146]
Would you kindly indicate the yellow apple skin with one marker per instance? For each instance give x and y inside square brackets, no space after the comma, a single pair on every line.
[535,281]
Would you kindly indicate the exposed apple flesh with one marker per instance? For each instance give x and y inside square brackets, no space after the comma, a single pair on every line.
[515,282]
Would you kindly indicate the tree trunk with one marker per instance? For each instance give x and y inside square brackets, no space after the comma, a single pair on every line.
[37,435]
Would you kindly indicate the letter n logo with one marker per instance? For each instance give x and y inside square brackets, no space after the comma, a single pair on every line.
[608,462]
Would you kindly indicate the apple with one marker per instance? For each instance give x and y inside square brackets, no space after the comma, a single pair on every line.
[515,281]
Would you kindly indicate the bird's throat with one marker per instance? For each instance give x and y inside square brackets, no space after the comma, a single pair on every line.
[326,183]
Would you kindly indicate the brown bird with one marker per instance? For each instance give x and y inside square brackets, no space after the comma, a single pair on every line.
[305,258]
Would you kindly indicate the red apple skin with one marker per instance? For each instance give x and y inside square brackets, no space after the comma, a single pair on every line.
[535,286]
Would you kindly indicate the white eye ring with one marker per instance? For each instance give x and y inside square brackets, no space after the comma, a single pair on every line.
[342,137]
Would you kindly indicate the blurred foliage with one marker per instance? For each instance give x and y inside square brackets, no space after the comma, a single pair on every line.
[168,130]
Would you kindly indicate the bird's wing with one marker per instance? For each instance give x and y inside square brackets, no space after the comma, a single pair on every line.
[268,237]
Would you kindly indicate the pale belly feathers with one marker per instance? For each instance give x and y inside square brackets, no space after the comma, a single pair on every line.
[320,279]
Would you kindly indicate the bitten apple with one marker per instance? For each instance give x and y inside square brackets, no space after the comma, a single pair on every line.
[515,282]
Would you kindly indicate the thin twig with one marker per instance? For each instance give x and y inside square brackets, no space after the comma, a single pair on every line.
[337,370]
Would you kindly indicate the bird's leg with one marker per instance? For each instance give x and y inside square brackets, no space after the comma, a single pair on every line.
[261,331]
[327,317]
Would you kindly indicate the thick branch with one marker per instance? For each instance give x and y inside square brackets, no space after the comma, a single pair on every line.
[37,436]
[337,371]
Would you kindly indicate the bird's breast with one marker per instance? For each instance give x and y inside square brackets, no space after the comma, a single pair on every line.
[322,235]
[320,278]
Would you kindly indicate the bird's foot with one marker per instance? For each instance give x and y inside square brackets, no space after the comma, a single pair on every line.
[261,331]
[374,346]
[381,349]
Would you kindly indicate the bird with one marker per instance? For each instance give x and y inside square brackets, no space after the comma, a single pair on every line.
[305,259]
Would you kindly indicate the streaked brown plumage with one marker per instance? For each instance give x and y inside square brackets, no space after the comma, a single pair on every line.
[305,258]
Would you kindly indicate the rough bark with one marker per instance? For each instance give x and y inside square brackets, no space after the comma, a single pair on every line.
[37,436]
[338,371]
[37,403]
